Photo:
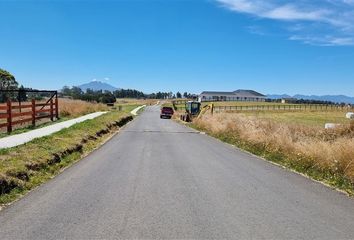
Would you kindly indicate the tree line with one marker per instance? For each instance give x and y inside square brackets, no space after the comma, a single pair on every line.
[306,101]
[110,97]
[20,93]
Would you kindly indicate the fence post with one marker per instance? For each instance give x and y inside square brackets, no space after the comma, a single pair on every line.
[33,112]
[56,107]
[9,116]
[51,110]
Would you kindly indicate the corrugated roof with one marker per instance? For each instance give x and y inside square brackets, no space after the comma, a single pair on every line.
[248,93]
[218,93]
[237,93]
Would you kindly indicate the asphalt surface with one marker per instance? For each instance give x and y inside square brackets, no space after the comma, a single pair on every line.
[161,180]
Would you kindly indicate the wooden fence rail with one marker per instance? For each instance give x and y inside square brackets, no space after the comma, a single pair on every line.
[14,114]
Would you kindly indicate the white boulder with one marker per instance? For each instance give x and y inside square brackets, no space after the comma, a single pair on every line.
[350,115]
[331,125]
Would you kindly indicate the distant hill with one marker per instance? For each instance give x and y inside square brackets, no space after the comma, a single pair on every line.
[97,85]
[332,98]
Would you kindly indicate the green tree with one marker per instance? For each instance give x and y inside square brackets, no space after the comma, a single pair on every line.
[76,92]
[22,96]
[66,91]
[107,97]
[7,82]
[179,95]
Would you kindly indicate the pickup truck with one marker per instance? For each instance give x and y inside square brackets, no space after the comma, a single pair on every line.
[166,112]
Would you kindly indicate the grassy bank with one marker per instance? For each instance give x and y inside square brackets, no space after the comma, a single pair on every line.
[325,155]
[24,167]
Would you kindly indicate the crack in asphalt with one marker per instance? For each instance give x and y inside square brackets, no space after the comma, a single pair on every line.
[159,131]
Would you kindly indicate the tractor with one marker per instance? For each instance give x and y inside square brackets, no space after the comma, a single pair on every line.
[192,111]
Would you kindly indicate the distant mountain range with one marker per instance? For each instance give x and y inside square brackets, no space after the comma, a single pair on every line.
[96,86]
[332,98]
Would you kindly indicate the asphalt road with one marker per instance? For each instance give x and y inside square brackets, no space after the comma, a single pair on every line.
[159,179]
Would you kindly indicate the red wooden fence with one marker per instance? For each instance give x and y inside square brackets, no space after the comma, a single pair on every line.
[33,111]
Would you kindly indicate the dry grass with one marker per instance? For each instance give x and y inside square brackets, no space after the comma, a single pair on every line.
[130,101]
[309,147]
[75,108]
[306,117]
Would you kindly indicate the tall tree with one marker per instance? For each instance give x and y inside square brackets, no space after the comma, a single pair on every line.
[7,80]
[22,96]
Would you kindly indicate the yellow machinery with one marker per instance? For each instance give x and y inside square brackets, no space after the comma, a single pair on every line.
[205,109]
[193,110]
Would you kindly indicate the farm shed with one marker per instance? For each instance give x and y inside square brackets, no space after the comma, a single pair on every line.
[238,95]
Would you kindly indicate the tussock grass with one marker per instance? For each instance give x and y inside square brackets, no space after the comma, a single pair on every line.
[130,101]
[305,117]
[326,155]
[76,108]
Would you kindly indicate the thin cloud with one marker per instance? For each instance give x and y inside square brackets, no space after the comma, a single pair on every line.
[324,41]
[316,22]
[256,30]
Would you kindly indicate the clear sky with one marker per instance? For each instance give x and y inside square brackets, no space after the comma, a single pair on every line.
[275,46]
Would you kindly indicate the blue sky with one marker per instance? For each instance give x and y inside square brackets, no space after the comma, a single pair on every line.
[275,46]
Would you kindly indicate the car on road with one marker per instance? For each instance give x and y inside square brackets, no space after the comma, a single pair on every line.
[166,112]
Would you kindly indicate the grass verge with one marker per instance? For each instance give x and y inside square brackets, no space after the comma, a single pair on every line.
[30,127]
[24,167]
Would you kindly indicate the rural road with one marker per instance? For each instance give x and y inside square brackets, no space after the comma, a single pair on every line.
[161,180]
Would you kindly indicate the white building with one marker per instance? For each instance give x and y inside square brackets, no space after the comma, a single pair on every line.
[238,95]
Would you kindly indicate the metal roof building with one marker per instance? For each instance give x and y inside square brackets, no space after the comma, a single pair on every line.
[238,95]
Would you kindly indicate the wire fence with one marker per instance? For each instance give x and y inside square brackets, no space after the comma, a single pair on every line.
[271,107]
[283,107]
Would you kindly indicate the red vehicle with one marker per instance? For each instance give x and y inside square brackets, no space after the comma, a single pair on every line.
[166,112]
